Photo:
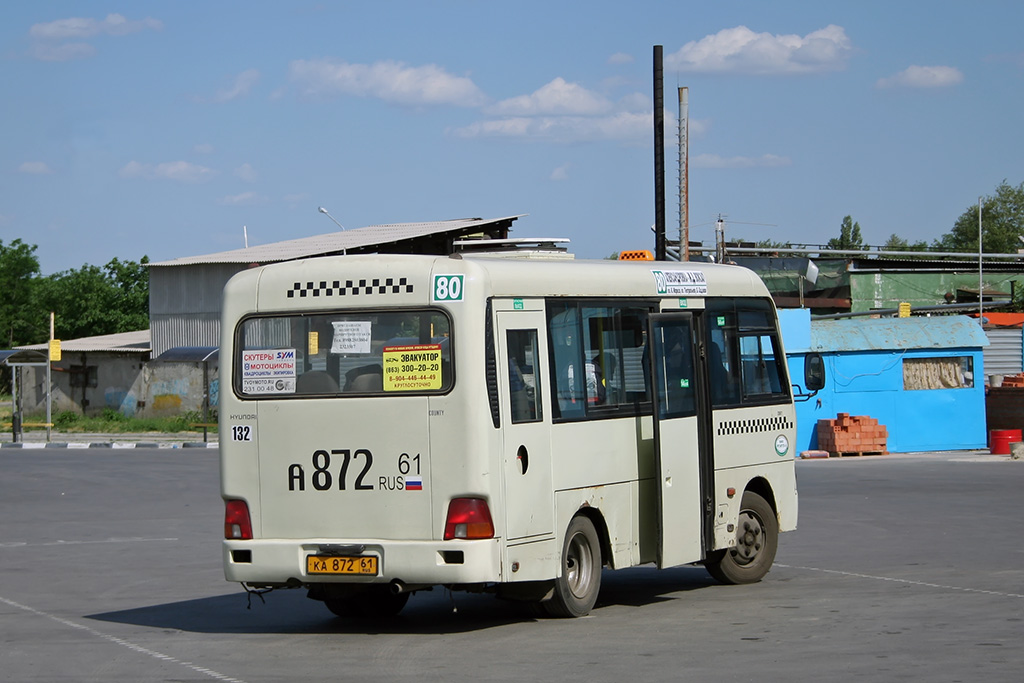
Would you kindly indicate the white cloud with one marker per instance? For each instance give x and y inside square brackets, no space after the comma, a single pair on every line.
[241,87]
[625,126]
[561,173]
[390,81]
[697,127]
[64,52]
[297,197]
[247,173]
[243,199]
[1014,58]
[181,171]
[716,161]
[740,50]
[203,148]
[923,77]
[81,27]
[620,58]
[557,97]
[35,168]
[48,38]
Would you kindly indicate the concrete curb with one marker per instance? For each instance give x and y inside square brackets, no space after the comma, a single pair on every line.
[41,445]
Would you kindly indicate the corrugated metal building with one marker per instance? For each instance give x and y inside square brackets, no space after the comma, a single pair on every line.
[184,294]
[859,285]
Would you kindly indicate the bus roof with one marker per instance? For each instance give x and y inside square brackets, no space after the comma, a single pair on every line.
[405,279]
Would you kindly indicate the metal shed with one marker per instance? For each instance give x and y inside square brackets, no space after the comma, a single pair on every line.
[921,377]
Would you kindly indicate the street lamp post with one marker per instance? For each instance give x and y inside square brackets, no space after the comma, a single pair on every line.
[325,212]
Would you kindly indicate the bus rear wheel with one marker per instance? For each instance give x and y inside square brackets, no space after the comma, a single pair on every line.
[579,582]
[757,540]
[376,601]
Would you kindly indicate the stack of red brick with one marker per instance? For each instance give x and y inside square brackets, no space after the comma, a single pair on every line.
[1013,381]
[852,434]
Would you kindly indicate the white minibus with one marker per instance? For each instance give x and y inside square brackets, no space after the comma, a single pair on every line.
[511,421]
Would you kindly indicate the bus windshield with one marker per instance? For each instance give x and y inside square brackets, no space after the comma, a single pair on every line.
[354,353]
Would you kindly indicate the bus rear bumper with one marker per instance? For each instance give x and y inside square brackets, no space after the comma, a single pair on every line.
[283,561]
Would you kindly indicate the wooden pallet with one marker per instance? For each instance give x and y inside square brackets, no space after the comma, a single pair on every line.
[854,454]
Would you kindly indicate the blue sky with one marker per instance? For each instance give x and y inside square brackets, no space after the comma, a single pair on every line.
[163,128]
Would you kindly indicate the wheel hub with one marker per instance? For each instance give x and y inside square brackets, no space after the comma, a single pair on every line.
[749,538]
[577,566]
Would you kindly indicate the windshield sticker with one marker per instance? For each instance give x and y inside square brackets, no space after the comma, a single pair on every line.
[268,371]
[351,336]
[680,282]
[412,368]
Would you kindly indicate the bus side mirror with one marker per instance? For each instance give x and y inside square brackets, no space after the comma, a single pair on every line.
[814,378]
[814,372]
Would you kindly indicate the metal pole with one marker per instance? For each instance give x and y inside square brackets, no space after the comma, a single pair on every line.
[49,384]
[15,412]
[659,157]
[981,281]
[206,398]
[684,174]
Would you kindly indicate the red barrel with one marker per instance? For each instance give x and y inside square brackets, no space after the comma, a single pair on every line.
[999,440]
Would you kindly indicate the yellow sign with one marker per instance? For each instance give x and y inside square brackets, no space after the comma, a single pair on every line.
[55,350]
[412,368]
[314,343]
[904,310]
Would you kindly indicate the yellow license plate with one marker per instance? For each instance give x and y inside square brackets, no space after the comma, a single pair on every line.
[363,565]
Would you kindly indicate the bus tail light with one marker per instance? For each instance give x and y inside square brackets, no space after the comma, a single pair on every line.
[468,518]
[236,521]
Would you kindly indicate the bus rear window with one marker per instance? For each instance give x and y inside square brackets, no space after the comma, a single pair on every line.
[352,353]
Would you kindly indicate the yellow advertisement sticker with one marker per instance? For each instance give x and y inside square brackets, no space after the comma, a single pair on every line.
[412,368]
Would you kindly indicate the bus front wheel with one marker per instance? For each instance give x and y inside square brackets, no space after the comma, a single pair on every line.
[757,539]
[579,582]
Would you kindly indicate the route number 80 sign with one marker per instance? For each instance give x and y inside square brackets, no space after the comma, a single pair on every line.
[447,288]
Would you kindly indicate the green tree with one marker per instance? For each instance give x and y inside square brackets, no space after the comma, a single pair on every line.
[772,244]
[897,243]
[91,300]
[1002,222]
[19,273]
[849,236]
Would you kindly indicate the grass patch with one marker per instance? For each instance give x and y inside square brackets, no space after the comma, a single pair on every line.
[113,422]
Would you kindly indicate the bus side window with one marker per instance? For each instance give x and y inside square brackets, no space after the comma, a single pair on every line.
[760,374]
[567,373]
[744,354]
[522,376]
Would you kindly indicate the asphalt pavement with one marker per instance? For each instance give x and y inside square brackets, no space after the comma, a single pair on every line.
[903,568]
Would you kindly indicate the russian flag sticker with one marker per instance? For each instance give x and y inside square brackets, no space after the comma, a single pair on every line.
[414,484]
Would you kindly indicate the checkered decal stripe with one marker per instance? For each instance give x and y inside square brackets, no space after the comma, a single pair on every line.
[761,424]
[350,288]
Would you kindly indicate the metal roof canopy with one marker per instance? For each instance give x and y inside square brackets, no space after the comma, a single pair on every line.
[188,354]
[195,354]
[384,239]
[14,357]
[883,334]
[121,342]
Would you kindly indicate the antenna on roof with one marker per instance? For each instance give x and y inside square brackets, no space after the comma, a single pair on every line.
[245,236]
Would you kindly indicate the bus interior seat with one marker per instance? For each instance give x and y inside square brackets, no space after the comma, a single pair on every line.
[365,378]
[316,382]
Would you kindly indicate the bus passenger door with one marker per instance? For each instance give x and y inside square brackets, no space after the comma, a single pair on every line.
[681,458]
[526,460]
